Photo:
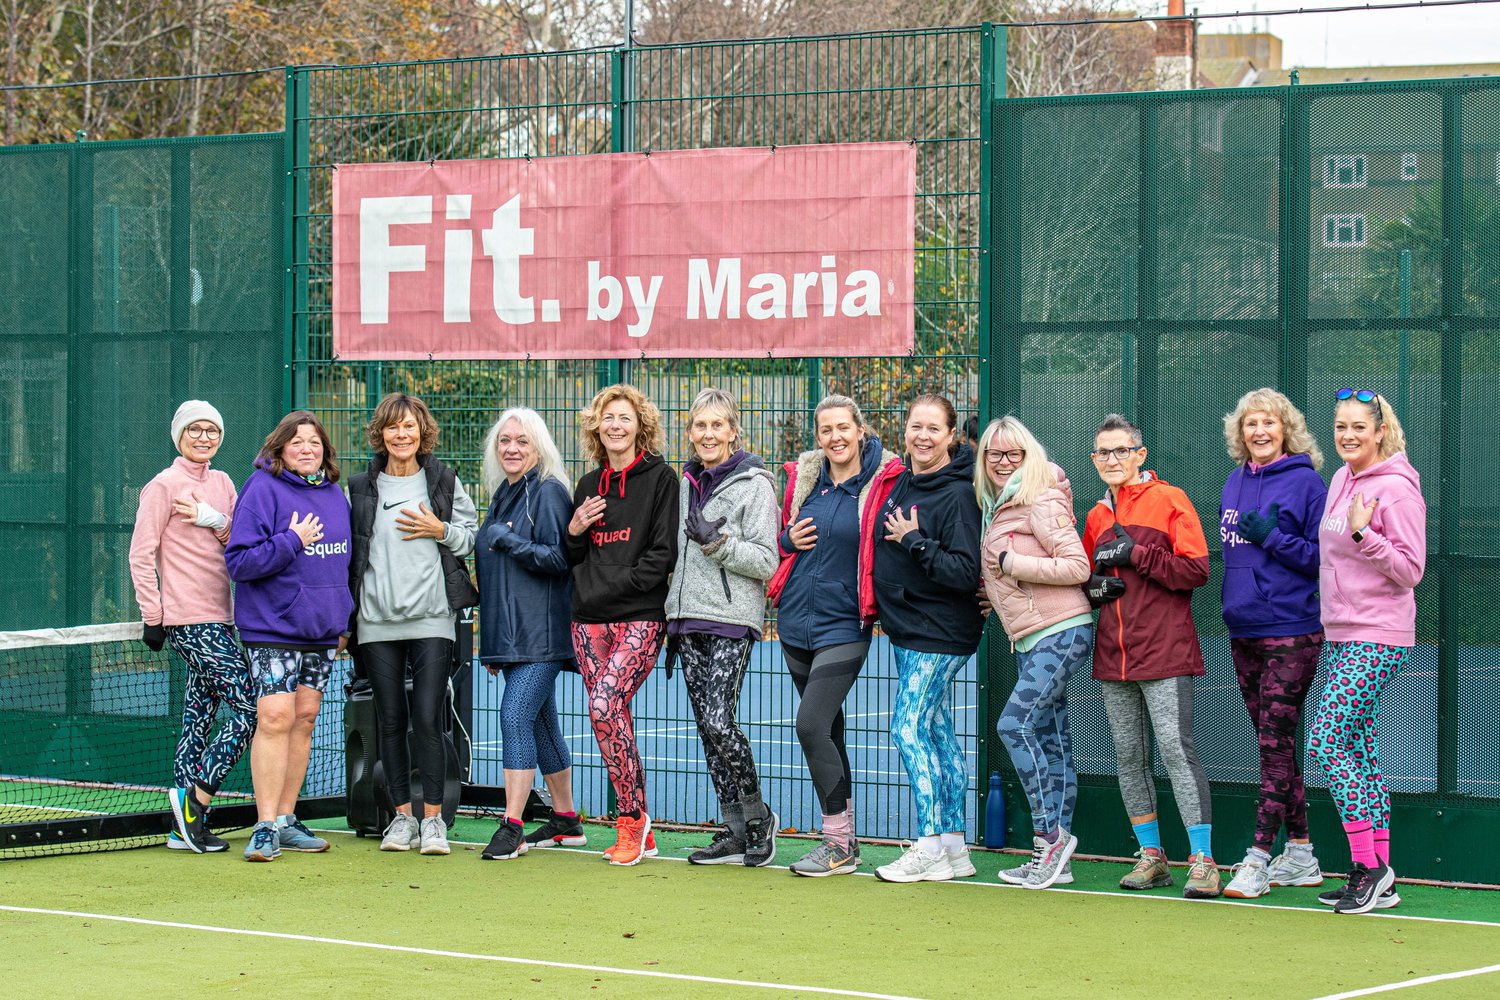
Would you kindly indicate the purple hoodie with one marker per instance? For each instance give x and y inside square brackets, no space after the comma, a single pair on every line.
[288,594]
[1271,589]
[1367,585]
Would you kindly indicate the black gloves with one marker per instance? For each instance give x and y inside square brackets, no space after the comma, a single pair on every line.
[1257,528]
[674,644]
[154,636]
[1116,552]
[701,530]
[1103,589]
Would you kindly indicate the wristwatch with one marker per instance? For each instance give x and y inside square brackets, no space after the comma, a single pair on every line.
[1357,536]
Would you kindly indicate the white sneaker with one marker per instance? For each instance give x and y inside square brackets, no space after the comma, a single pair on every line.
[1048,868]
[960,862]
[916,866]
[402,835]
[1021,874]
[434,835]
[1252,879]
[1295,868]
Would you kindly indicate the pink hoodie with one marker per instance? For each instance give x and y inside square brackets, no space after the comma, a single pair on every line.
[178,567]
[1366,586]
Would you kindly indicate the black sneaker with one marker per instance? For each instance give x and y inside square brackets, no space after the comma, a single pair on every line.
[1332,896]
[1362,891]
[187,818]
[760,841]
[724,849]
[558,831]
[507,843]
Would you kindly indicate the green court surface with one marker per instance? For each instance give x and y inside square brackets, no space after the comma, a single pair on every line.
[355,922]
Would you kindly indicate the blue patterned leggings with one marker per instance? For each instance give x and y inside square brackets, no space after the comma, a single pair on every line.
[1342,736]
[1034,725]
[216,673]
[530,736]
[922,729]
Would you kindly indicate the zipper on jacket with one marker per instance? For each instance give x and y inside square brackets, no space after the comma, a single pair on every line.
[1120,616]
[724,579]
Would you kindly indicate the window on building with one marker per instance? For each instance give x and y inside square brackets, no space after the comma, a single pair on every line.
[1410,166]
[1344,171]
[1343,230]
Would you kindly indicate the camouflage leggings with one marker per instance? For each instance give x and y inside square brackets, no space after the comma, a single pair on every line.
[1274,675]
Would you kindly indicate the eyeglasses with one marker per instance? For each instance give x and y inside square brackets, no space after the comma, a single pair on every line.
[1363,395]
[210,432]
[1104,455]
[1011,455]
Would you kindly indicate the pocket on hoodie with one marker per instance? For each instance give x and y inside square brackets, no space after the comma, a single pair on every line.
[314,613]
[1336,607]
[1246,602]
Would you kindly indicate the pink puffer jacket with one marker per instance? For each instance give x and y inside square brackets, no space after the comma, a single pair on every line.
[1044,573]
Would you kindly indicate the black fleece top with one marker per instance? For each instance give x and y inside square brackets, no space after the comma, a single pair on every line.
[621,564]
[925,584]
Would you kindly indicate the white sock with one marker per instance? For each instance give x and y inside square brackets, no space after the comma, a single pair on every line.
[953,843]
[1258,854]
[282,821]
[931,846]
[1302,849]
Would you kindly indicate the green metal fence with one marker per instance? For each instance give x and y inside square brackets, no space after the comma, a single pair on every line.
[923,87]
[1163,253]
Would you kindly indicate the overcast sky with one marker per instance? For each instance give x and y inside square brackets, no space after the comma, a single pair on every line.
[1367,38]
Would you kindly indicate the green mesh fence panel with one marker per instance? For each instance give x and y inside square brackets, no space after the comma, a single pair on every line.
[134,275]
[922,87]
[1160,254]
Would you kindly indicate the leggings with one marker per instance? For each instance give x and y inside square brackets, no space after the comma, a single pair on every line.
[1136,709]
[1034,726]
[823,678]
[386,663]
[1342,737]
[713,668]
[615,660]
[216,672]
[1274,675]
[922,729]
[530,736]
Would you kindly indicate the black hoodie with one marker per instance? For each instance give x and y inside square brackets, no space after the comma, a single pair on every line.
[621,564]
[925,584]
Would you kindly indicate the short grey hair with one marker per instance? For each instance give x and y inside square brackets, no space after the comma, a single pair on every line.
[1117,422]
[716,399]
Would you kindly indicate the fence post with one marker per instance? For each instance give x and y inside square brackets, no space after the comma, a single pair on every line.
[1451,330]
[1148,306]
[294,243]
[1295,252]
[991,672]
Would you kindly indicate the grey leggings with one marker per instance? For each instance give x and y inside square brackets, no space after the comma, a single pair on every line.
[1136,709]
[823,678]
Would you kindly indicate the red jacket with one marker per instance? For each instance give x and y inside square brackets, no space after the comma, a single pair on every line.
[1148,634]
[801,477]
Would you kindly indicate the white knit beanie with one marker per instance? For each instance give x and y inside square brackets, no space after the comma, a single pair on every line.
[193,410]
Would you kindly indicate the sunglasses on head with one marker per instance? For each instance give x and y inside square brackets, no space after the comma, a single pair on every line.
[1363,395]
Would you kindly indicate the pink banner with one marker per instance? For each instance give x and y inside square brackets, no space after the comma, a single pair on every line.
[801,251]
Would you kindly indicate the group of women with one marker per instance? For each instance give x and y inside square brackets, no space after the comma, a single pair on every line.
[635,557]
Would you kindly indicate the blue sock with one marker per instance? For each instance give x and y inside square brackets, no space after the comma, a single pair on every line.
[1147,835]
[1198,839]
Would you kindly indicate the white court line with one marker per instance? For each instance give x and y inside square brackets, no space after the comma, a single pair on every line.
[439,953]
[1423,981]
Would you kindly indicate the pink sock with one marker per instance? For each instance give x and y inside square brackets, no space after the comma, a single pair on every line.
[1383,845]
[839,827]
[1361,843]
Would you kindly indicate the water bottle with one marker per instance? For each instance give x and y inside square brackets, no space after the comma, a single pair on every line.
[994,813]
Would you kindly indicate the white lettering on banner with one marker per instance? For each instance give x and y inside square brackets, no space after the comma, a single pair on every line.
[506,241]
[378,258]
[714,286]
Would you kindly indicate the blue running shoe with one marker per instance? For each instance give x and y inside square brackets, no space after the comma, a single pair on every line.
[262,846]
[187,818]
[291,835]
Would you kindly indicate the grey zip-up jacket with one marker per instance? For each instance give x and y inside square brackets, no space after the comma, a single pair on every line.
[729,584]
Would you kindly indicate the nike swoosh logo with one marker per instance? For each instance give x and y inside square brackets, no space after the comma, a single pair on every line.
[398,503]
[187,810]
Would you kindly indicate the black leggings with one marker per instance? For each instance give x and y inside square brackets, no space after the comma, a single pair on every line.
[824,678]
[386,663]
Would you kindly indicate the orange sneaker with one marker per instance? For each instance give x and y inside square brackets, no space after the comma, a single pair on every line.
[630,840]
[650,852]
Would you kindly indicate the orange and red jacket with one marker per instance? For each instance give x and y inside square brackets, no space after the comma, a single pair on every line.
[1148,633]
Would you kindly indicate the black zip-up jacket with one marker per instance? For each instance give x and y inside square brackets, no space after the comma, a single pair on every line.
[925,584]
[622,563]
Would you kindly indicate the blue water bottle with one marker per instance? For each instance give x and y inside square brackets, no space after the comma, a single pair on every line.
[994,813]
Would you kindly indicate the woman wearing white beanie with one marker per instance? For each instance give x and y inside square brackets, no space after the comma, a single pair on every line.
[182,586]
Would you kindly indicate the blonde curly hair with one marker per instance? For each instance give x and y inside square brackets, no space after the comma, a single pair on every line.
[1296,440]
[649,438]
